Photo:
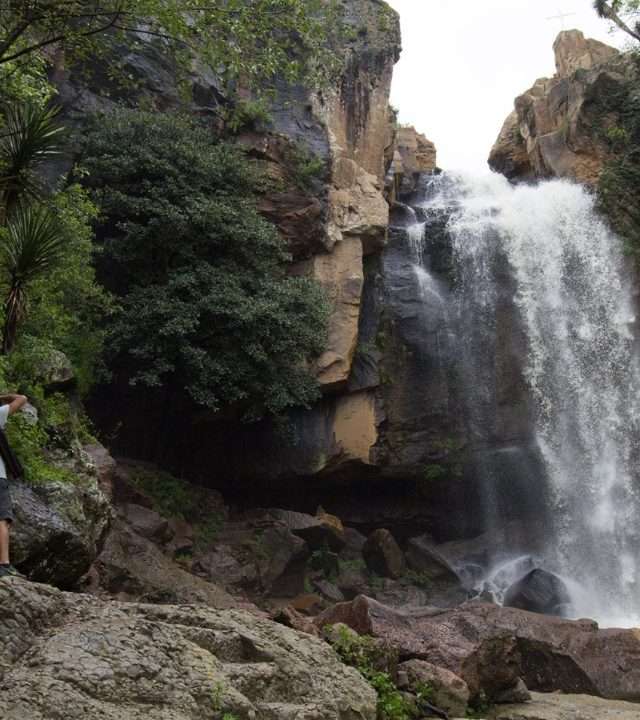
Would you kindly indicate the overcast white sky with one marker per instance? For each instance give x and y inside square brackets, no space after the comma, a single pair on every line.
[465,61]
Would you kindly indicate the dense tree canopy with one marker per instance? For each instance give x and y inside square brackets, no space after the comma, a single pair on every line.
[206,303]
[248,39]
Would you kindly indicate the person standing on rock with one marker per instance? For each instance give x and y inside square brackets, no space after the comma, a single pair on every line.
[9,466]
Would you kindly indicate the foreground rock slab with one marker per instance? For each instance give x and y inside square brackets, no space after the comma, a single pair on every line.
[71,656]
[568,707]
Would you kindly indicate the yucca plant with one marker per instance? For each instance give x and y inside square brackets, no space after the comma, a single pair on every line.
[32,243]
[31,135]
[31,237]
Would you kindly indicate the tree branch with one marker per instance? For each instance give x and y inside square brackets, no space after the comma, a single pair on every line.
[59,38]
[609,13]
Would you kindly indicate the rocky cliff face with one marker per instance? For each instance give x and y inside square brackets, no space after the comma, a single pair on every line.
[336,227]
[381,418]
[558,127]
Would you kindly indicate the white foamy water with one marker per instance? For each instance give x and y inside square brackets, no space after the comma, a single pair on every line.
[576,306]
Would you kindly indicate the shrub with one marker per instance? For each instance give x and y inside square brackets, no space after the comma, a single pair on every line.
[248,115]
[206,303]
[363,653]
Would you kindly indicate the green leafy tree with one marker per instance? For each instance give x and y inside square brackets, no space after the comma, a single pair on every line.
[622,13]
[248,39]
[207,304]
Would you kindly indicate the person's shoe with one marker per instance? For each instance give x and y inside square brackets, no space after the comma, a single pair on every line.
[9,571]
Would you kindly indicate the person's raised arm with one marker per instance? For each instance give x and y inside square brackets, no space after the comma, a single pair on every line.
[14,401]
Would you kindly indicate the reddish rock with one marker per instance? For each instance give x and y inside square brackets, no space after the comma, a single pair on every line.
[491,647]
[290,617]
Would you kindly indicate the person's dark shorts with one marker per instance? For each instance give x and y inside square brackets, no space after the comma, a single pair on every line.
[6,506]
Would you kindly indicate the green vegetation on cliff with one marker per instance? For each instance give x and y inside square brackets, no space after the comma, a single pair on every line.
[206,303]
[248,41]
[53,306]
[619,184]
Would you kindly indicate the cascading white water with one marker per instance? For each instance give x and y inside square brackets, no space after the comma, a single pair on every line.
[576,306]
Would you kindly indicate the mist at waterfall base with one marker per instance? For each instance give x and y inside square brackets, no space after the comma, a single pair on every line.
[573,301]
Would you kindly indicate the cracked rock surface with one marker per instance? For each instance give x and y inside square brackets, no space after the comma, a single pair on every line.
[67,656]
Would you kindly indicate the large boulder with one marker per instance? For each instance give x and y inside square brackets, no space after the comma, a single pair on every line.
[58,528]
[491,648]
[448,691]
[383,554]
[132,567]
[539,591]
[282,561]
[54,371]
[442,582]
[318,530]
[75,657]
[423,557]
[147,522]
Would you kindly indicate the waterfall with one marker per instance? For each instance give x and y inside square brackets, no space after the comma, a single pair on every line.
[538,262]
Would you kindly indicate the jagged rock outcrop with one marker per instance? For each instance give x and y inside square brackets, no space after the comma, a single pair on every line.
[414,154]
[558,128]
[72,656]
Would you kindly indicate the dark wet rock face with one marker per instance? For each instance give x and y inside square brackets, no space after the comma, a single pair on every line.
[539,591]
[383,554]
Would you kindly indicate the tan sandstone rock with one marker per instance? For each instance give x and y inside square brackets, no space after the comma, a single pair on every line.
[550,133]
[359,125]
[340,274]
[573,51]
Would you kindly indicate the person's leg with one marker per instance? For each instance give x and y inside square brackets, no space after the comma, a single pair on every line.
[4,542]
